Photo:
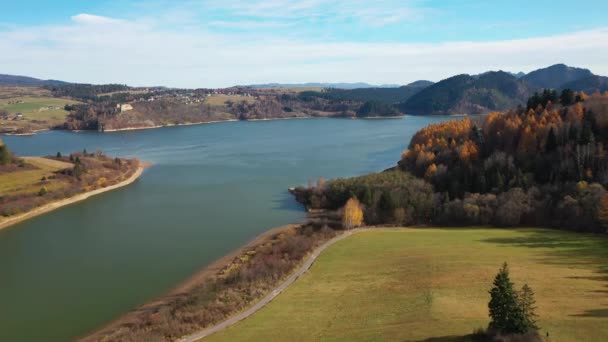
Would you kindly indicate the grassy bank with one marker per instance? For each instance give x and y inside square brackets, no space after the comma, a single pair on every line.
[32,186]
[419,284]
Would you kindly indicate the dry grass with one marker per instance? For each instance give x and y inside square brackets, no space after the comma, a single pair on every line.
[134,92]
[417,284]
[220,100]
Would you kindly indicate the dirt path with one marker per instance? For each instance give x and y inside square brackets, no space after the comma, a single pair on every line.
[241,316]
[61,203]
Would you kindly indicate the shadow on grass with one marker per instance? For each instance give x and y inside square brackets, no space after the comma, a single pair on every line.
[593,313]
[569,249]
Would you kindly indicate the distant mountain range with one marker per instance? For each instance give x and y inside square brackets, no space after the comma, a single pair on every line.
[12,80]
[460,94]
[358,85]
[498,90]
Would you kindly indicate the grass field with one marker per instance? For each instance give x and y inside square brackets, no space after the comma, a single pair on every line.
[220,100]
[28,181]
[36,108]
[432,284]
[39,112]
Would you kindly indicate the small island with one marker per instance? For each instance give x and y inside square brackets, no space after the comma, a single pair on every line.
[31,186]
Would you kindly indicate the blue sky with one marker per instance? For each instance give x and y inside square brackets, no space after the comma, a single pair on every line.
[220,43]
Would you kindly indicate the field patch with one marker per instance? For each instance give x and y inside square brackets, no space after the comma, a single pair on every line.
[30,180]
[419,284]
[31,113]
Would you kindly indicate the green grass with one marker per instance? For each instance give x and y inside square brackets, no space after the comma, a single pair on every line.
[418,284]
[36,115]
[34,107]
[28,181]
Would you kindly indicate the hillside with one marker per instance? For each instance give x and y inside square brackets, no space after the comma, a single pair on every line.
[356,85]
[13,80]
[464,94]
[555,76]
[588,84]
[544,166]
[388,96]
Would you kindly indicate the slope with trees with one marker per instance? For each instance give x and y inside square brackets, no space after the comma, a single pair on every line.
[469,95]
[555,76]
[542,166]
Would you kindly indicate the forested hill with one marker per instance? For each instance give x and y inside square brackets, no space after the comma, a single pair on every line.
[545,165]
[12,80]
[555,76]
[465,94]
[387,96]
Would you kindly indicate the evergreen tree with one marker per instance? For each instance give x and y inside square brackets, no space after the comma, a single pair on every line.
[526,304]
[505,312]
[567,97]
[551,141]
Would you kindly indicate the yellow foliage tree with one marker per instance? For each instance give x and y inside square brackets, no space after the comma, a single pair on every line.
[352,215]
[102,181]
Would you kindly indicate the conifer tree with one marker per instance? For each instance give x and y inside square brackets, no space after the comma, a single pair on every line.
[527,306]
[505,313]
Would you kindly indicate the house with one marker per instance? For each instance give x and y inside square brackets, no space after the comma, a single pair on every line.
[124,107]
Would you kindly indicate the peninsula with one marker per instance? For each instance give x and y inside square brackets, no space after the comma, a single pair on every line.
[32,186]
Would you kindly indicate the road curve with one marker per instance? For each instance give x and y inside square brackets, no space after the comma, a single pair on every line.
[269,297]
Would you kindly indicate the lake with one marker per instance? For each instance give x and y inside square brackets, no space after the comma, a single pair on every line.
[211,189]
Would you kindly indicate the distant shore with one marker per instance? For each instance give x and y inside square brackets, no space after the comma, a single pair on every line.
[7,222]
[201,123]
[112,130]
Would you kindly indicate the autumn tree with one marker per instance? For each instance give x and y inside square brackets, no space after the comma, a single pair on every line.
[602,212]
[352,215]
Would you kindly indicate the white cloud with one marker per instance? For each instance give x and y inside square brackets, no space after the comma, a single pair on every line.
[248,24]
[374,13]
[90,19]
[142,52]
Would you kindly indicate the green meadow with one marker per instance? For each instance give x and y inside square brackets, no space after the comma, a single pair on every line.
[432,284]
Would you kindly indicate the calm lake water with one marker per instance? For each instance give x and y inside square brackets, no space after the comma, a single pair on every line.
[211,189]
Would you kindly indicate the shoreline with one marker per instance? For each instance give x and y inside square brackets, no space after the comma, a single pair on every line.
[262,302]
[183,287]
[126,129]
[201,123]
[10,221]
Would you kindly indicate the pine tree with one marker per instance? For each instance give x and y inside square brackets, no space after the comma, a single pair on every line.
[551,141]
[527,306]
[505,313]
